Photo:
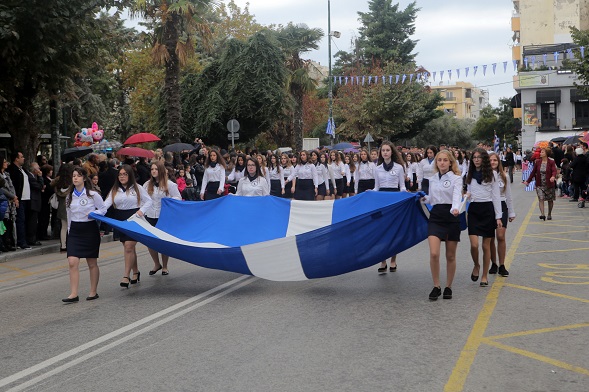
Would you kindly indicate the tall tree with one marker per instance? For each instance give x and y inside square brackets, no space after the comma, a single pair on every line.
[385,32]
[581,65]
[447,130]
[178,23]
[45,46]
[296,40]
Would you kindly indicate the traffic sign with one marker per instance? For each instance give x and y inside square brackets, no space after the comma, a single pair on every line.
[234,136]
[368,138]
[233,126]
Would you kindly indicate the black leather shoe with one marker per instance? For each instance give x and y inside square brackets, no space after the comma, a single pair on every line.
[133,281]
[92,298]
[503,271]
[71,300]
[125,284]
[493,269]
[447,293]
[436,292]
[153,272]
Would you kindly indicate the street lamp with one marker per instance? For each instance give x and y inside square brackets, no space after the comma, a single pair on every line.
[330,34]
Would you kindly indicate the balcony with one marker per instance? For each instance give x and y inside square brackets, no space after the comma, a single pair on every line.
[515,23]
[549,125]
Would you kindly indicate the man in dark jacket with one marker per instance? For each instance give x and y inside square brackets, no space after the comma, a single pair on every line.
[32,213]
[20,180]
[579,176]
[143,171]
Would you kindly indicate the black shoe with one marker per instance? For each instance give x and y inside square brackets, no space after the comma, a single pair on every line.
[71,300]
[165,273]
[493,269]
[474,277]
[25,247]
[542,217]
[153,272]
[92,298]
[484,284]
[123,284]
[62,250]
[503,271]
[133,281]
[548,217]
[447,293]
[382,270]
[436,292]
[393,269]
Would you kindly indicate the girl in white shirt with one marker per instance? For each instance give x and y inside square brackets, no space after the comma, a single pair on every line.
[425,168]
[213,180]
[484,211]
[389,177]
[304,179]
[83,233]
[339,171]
[275,176]
[238,171]
[445,195]
[364,176]
[324,175]
[287,170]
[508,216]
[158,187]
[254,183]
[128,198]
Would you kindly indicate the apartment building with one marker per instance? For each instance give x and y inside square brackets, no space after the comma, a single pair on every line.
[548,102]
[462,99]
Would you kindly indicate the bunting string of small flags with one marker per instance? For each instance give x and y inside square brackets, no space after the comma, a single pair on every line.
[528,61]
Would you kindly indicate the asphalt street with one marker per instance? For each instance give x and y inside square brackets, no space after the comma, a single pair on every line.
[206,330]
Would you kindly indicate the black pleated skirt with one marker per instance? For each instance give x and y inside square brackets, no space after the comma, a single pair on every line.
[364,185]
[275,188]
[304,190]
[322,189]
[287,190]
[211,190]
[83,240]
[443,224]
[122,215]
[481,219]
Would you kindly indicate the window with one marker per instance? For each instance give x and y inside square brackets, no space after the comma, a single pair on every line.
[449,96]
[581,114]
[548,119]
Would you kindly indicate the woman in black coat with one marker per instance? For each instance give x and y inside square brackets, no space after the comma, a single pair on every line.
[579,177]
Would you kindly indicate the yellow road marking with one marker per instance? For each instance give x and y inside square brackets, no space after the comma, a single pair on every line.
[538,331]
[552,251]
[546,292]
[557,225]
[538,357]
[553,238]
[469,351]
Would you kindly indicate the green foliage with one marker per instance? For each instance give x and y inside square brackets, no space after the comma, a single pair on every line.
[446,130]
[246,83]
[499,120]
[385,32]
[581,66]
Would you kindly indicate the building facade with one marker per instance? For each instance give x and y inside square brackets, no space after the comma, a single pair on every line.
[548,101]
[462,99]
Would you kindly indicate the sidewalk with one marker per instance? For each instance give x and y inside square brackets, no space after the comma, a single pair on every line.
[50,246]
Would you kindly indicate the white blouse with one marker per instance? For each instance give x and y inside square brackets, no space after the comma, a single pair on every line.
[257,187]
[325,175]
[157,196]
[425,169]
[395,178]
[128,200]
[213,174]
[445,189]
[307,171]
[486,191]
[339,170]
[505,192]
[276,174]
[287,171]
[364,171]
[236,175]
[83,205]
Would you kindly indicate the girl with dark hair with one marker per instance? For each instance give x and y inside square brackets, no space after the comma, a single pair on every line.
[339,171]
[324,174]
[287,170]
[425,169]
[254,183]
[304,179]
[238,171]
[364,179]
[389,177]
[350,171]
[158,187]
[508,215]
[213,181]
[84,237]
[445,196]
[484,211]
[276,176]
[127,199]
[60,185]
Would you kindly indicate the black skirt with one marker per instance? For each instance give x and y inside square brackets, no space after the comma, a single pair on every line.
[211,190]
[83,240]
[322,189]
[388,190]
[504,217]
[287,189]
[122,215]
[349,189]
[481,219]
[364,185]
[304,190]
[151,221]
[275,188]
[340,184]
[443,224]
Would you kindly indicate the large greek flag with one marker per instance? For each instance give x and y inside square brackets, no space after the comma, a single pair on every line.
[284,240]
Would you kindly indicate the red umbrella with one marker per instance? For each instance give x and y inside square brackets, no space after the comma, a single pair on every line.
[143,137]
[135,152]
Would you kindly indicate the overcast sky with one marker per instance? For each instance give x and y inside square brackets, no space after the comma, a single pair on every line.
[452,34]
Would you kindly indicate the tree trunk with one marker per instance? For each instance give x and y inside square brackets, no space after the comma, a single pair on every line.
[172,85]
[297,126]
[22,127]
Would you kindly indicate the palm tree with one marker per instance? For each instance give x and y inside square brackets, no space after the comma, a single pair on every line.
[178,22]
[294,40]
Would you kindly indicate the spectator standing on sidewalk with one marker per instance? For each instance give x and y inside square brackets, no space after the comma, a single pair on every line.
[9,237]
[579,176]
[60,185]
[36,186]
[20,180]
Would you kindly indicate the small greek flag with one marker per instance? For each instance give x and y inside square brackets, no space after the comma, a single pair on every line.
[496,143]
[330,127]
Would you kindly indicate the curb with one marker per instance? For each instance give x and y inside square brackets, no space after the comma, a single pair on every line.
[52,247]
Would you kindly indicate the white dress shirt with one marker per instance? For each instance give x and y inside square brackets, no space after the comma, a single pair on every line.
[213,174]
[83,205]
[257,187]
[425,169]
[486,191]
[394,178]
[339,170]
[128,200]
[445,189]
[276,174]
[307,171]
[236,175]
[158,194]
[505,192]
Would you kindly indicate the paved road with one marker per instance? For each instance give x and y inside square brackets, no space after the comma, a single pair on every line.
[207,330]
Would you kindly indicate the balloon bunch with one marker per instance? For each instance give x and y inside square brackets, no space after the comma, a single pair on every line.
[88,136]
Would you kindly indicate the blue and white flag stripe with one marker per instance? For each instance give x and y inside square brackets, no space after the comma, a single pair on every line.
[293,240]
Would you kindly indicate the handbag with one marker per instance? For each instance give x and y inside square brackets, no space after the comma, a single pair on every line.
[54,201]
